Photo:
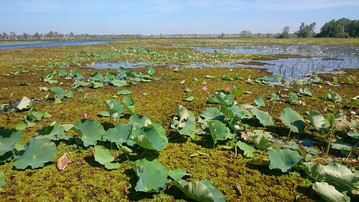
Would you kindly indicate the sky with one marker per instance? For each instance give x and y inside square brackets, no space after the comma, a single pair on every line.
[169,16]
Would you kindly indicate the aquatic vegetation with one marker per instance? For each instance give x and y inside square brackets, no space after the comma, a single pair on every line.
[180,138]
[39,151]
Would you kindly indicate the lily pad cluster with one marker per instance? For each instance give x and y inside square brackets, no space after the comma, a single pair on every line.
[229,123]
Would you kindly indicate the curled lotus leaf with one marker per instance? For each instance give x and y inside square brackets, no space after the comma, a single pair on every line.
[200,190]
[264,118]
[25,103]
[151,137]
[115,109]
[293,120]
[129,104]
[151,173]
[328,192]
[103,155]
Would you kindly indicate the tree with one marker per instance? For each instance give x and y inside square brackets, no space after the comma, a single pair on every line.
[341,28]
[13,35]
[285,33]
[37,36]
[306,30]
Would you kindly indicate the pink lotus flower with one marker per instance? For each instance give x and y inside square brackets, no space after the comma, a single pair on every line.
[85,115]
[227,88]
[204,88]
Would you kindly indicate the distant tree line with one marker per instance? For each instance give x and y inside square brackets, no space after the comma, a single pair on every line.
[71,36]
[341,28]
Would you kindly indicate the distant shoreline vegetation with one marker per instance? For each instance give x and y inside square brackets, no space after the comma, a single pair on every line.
[342,28]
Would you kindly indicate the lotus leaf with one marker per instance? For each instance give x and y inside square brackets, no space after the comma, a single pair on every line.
[307,92]
[227,78]
[151,137]
[47,115]
[293,98]
[20,126]
[354,134]
[212,100]
[293,120]
[152,175]
[247,149]
[25,103]
[129,104]
[54,132]
[264,118]
[112,165]
[33,115]
[336,172]
[75,74]
[225,98]
[57,92]
[211,113]
[118,82]
[69,94]
[119,134]
[109,76]
[97,77]
[151,71]
[62,73]
[333,97]
[355,100]
[236,111]
[283,159]
[260,139]
[96,84]
[79,83]
[39,151]
[274,97]
[177,174]
[328,192]
[186,125]
[219,131]
[8,139]
[259,102]
[189,98]
[115,109]
[49,77]
[138,121]
[90,131]
[187,90]
[200,190]
[123,92]
[103,113]
[103,155]
[318,121]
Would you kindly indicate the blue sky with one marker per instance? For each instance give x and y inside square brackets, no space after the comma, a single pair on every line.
[169,16]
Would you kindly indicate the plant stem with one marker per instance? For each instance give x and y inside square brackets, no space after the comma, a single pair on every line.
[269,115]
[352,149]
[290,130]
[330,141]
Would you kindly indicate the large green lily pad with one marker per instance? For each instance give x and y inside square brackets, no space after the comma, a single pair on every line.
[8,139]
[90,131]
[283,159]
[39,151]
[152,175]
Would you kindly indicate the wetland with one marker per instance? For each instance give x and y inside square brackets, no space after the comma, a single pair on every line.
[242,119]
